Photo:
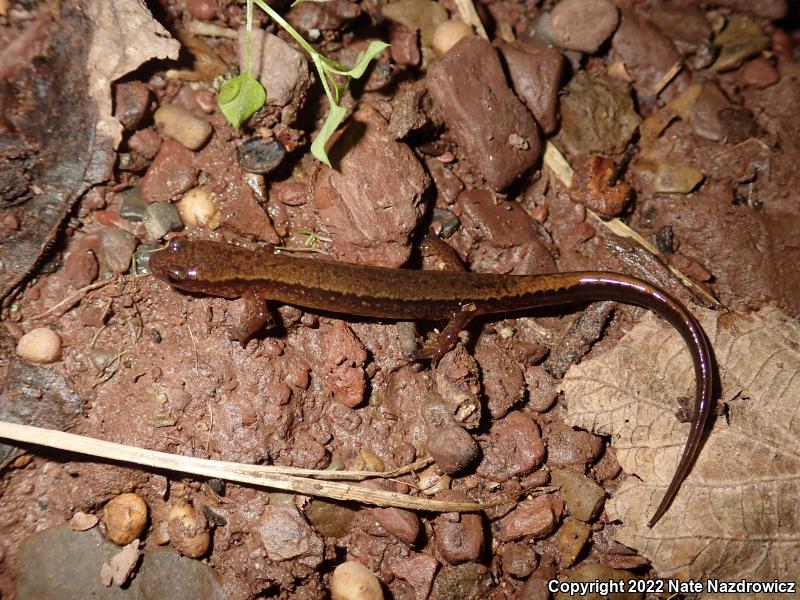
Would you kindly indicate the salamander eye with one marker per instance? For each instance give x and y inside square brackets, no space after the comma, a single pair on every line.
[176,274]
[176,244]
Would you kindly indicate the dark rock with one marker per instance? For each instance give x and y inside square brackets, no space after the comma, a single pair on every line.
[171,173]
[116,248]
[583,25]
[536,73]
[131,101]
[597,115]
[514,447]
[160,218]
[133,205]
[453,448]
[469,581]
[647,55]
[495,132]
[331,519]
[257,156]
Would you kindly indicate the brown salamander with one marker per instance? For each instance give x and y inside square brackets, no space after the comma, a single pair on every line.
[257,276]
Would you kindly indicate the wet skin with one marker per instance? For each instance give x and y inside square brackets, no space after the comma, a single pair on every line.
[257,276]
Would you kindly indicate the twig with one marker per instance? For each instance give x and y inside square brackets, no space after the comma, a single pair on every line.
[619,228]
[667,77]
[194,345]
[212,30]
[559,165]
[468,14]
[259,475]
[74,297]
[105,376]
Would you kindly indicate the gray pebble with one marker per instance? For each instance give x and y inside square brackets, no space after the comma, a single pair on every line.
[448,220]
[116,248]
[133,206]
[257,156]
[132,162]
[161,218]
[141,258]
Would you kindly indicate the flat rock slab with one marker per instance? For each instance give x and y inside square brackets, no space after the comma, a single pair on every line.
[61,564]
[495,132]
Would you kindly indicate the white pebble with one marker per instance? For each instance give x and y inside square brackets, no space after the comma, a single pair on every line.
[182,125]
[448,34]
[198,210]
[354,581]
[41,345]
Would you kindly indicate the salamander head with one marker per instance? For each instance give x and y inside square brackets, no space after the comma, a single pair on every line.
[192,266]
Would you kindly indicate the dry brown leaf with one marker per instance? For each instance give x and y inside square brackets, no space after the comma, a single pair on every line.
[738,513]
[125,37]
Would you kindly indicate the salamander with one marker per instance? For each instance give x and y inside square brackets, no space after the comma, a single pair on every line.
[259,275]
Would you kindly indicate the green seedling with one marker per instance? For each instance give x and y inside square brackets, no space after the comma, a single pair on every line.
[243,95]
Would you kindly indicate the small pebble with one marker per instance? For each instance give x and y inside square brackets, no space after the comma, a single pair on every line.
[353,581]
[422,15]
[570,540]
[131,100]
[82,521]
[145,142]
[404,524]
[205,10]
[141,258]
[537,517]
[182,125]
[519,560]
[257,156]
[583,25]
[583,497]
[453,448]
[188,530]
[760,74]
[116,248]
[125,518]
[132,162]
[198,210]
[448,34]
[40,346]
[161,218]
[133,206]
[81,268]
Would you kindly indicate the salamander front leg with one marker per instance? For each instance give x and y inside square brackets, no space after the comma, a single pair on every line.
[437,347]
[255,316]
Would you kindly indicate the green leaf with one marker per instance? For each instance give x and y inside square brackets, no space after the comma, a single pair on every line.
[375,47]
[335,117]
[296,2]
[240,97]
[362,62]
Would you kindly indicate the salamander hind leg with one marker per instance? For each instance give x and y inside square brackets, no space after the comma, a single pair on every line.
[255,316]
[436,348]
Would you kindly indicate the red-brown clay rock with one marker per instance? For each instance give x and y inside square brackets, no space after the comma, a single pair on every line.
[372,201]
[536,73]
[494,131]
